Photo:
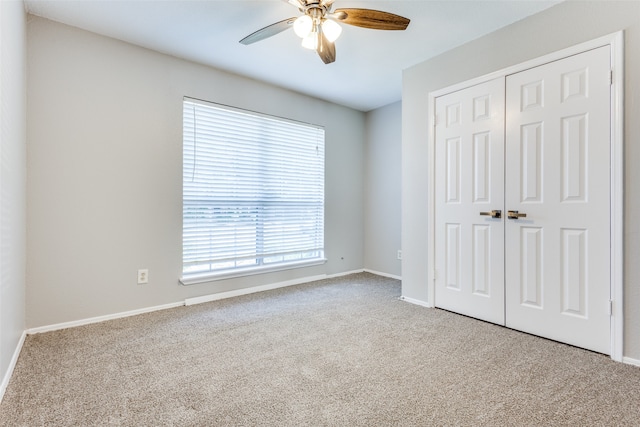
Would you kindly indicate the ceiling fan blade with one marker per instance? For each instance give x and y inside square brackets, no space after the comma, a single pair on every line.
[268,31]
[369,18]
[326,49]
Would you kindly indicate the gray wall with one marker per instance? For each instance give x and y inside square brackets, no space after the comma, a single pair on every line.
[382,184]
[12,180]
[562,26]
[105,173]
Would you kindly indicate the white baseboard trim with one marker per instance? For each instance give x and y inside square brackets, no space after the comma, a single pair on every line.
[99,319]
[344,273]
[252,290]
[192,301]
[188,301]
[630,361]
[416,301]
[379,273]
[12,366]
[271,286]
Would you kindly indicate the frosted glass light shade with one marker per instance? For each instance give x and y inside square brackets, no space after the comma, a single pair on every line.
[331,30]
[310,41]
[303,26]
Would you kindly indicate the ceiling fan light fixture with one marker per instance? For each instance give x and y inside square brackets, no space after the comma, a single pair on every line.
[310,41]
[331,30]
[302,26]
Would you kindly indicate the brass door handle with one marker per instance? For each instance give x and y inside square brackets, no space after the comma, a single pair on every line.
[493,214]
[515,215]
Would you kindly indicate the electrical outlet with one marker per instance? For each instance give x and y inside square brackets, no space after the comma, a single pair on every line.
[399,254]
[143,276]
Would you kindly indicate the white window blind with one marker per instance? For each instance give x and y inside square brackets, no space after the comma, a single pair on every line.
[253,192]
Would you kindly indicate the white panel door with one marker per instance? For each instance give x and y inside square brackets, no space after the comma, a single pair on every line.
[557,260]
[469,144]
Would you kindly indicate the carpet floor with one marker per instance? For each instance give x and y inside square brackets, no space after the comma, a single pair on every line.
[336,352]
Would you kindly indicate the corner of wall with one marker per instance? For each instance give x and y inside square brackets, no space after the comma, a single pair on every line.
[12,185]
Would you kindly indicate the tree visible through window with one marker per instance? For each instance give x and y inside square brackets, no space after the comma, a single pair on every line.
[253,192]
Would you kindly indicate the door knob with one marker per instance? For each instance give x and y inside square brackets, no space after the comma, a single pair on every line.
[515,215]
[493,214]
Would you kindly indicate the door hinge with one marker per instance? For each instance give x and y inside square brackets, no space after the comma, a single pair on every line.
[610,77]
[435,275]
[610,307]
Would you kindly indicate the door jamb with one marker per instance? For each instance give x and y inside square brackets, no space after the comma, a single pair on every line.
[616,43]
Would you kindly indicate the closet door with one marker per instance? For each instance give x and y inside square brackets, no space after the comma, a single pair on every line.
[469,168]
[558,174]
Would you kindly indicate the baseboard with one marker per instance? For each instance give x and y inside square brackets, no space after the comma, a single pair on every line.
[416,302]
[379,273]
[344,273]
[252,290]
[271,286]
[195,300]
[630,361]
[99,319]
[12,366]
[188,301]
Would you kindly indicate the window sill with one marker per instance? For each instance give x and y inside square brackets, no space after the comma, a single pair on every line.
[212,277]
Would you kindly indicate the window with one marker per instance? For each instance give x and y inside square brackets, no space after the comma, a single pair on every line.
[253,193]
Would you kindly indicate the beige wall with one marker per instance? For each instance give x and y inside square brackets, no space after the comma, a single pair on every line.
[562,26]
[382,189]
[105,173]
[12,181]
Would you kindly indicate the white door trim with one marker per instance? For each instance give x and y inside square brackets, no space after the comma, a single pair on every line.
[616,42]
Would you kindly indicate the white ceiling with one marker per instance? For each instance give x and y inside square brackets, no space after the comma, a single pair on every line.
[368,70]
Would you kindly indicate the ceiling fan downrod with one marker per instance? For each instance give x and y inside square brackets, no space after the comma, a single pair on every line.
[311,26]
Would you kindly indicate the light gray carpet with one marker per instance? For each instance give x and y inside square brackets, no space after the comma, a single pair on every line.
[339,352]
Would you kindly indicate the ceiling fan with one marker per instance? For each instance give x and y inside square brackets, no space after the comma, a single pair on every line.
[319,27]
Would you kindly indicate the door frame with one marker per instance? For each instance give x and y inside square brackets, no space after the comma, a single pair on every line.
[616,43]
